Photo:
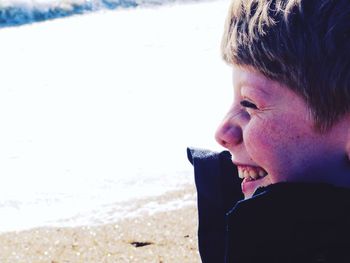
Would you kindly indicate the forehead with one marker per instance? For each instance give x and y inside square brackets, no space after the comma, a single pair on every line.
[247,75]
[248,80]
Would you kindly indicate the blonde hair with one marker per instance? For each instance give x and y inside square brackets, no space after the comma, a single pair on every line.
[304,44]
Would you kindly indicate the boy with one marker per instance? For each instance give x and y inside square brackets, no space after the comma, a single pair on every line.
[288,133]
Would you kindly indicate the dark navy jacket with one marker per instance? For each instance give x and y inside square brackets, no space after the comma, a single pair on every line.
[282,223]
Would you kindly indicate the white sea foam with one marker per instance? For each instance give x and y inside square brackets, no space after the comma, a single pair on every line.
[99,109]
[45,5]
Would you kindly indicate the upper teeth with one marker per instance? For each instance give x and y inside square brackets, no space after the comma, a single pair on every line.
[251,174]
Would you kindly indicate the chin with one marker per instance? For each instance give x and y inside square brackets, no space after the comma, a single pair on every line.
[250,186]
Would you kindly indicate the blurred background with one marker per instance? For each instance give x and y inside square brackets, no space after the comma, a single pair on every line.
[99,100]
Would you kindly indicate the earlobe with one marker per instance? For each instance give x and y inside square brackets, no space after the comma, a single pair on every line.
[348,149]
[348,140]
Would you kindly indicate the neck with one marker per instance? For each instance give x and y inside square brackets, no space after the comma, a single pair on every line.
[337,175]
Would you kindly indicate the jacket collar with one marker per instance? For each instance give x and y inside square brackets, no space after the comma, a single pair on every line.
[290,220]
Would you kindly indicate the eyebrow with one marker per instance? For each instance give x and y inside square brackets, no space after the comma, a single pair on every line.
[256,82]
[255,88]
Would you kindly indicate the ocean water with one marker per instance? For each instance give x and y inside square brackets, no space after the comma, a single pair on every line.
[97,110]
[20,12]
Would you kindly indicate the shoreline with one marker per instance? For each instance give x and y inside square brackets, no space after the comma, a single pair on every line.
[159,236]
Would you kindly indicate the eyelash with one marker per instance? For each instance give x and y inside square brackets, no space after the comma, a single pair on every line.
[248,104]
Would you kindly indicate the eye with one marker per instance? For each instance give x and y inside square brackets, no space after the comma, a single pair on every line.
[248,104]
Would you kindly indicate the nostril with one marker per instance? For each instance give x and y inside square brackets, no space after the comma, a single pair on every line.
[224,143]
[221,142]
[228,136]
[219,137]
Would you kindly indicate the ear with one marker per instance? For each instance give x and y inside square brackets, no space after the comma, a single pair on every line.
[347,130]
[341,131]
[348,148]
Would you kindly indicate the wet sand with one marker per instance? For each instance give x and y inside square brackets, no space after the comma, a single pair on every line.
[167,236]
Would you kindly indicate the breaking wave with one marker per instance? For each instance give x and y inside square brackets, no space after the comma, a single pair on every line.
[20,12]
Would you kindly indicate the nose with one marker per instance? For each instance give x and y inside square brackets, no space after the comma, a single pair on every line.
[229,133]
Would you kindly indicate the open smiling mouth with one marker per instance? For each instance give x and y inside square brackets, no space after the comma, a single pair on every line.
[250,173]
[252,178]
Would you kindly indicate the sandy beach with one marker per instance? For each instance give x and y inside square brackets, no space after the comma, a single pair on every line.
[98,110]
[167,236]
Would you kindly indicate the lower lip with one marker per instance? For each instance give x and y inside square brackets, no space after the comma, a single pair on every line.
[249,187]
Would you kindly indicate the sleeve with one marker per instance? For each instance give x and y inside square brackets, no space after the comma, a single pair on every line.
[218,190]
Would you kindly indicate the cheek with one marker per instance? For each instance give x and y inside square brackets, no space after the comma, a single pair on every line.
[262,141]
[272,144]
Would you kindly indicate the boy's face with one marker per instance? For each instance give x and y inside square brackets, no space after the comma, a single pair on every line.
[271,136]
